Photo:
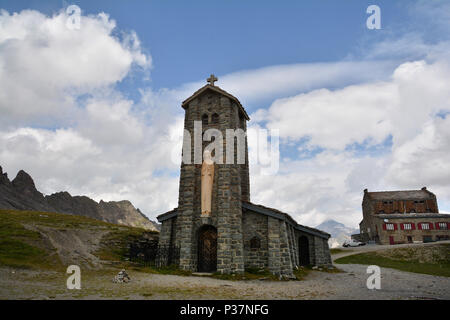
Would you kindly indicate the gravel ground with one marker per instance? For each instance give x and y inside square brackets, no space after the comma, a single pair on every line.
[350,284]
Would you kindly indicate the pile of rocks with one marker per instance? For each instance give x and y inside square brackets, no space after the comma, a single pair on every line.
[122,277]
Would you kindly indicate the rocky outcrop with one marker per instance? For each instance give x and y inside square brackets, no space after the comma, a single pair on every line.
[21,194]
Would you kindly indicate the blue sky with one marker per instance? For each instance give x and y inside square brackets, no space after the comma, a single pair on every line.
[191,39]
[355,108]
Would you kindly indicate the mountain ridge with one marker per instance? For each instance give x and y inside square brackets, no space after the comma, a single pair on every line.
[21,194]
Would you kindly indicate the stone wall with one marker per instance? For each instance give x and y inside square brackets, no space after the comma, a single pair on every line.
[255,227]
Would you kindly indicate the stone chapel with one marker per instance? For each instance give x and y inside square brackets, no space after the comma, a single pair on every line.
[215,226]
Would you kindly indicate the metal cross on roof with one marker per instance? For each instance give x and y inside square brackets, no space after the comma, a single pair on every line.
[211,79]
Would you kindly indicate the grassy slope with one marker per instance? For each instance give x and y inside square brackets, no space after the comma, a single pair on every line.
[434,260]
[23,248]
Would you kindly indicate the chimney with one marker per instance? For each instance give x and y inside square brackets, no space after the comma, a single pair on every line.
[365,191]
[424,188]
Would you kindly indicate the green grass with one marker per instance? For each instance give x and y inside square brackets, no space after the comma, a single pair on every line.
[19,246]
[405,260]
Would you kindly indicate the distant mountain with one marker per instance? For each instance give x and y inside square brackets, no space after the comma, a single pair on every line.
[21,194]
[338,231]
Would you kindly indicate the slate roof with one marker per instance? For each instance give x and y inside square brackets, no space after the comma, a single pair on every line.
[401,195]
[283,216]
[262,210]
[167,215]
[215,88]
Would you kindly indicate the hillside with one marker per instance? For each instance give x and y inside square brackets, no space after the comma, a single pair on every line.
[43,240]
[21,194]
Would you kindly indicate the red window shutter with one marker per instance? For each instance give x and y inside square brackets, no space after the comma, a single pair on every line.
[395,226]
[384,226]
[448,225]
[437,225]
[431,225]
[420,226]
[413,226]
[401,226]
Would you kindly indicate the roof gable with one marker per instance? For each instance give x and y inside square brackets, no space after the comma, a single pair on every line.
[207,87]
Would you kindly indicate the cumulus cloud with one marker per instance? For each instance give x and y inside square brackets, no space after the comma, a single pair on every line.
[365,113]
[46,66]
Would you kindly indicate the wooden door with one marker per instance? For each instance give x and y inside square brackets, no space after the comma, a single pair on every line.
[207,249]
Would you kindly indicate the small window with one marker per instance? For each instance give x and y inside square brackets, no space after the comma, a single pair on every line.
[407,226]
[442,225]
[389,226]
[255,243]
[205,119]
[425,226]
[215,118]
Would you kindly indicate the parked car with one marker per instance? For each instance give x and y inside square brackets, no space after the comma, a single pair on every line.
[353,243]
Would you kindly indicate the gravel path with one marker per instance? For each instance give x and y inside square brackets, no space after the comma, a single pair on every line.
[350,284]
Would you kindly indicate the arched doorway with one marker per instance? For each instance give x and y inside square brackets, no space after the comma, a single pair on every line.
[303,247]
[207,249]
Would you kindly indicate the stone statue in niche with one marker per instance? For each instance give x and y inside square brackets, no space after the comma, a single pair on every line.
[207,183]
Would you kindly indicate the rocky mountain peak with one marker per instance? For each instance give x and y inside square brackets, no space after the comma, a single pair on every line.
[23,181]
[3,177]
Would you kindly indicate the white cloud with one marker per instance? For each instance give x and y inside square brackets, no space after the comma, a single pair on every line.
[365,113]
[46,65]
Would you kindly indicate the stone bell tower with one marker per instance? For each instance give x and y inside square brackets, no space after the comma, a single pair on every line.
[212,240]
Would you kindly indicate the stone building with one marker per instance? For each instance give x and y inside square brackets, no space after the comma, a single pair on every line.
[393,217]
[220,229]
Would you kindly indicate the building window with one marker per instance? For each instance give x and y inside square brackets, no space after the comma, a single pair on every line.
[407,226]
[425,226]
[421,201]
[389,226]
[255,243]
[442,225]
[215,118]
[205,119]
